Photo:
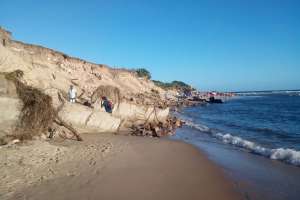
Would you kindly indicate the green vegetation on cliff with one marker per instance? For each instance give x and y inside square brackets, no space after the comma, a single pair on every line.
[142,72]
[178,85]
[173,85]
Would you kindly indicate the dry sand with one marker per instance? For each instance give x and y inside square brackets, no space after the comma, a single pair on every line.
[112,167]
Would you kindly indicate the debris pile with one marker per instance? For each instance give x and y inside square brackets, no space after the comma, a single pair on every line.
[159,129]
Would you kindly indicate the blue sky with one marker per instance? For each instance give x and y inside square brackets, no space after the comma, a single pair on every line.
[213,45]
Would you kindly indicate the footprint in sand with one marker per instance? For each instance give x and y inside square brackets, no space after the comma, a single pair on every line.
[106,148]
[92,162]
[51,171]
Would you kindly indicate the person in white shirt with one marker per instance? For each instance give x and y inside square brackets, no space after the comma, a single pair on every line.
[72,94]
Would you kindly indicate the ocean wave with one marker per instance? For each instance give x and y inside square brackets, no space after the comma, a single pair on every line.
[199,127]
[287,155]
[276,92]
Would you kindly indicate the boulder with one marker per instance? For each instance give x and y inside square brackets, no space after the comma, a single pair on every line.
[140,113]
[85,119]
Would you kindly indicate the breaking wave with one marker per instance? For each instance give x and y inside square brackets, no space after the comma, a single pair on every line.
[286,155]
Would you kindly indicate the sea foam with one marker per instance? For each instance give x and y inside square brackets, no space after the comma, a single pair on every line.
[287,155]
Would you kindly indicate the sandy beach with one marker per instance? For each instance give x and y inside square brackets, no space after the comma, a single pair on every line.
[106,166]
[150,100]
[35,101]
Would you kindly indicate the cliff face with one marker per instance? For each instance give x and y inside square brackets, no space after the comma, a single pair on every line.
[53,72]
[10,106]
[51,68]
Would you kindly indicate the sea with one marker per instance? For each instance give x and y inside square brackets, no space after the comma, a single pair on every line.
[254,137]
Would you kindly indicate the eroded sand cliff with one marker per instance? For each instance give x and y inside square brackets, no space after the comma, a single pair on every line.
[136,99]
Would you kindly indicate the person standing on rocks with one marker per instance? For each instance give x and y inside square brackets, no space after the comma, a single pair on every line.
[106,104]
[72,94]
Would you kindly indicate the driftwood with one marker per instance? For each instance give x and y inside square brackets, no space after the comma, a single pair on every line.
[60,122]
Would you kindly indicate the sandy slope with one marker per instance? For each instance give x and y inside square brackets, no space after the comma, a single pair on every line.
[47,69]
[53,72]
[110,167]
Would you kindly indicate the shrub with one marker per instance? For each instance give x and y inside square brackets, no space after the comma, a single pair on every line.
[173,85]
[142,72]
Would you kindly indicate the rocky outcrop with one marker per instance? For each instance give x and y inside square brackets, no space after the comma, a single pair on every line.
[85,119]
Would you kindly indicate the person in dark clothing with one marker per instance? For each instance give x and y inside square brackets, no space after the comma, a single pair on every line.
[106,104]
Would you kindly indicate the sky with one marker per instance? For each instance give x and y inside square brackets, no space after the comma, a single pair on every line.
[225,45]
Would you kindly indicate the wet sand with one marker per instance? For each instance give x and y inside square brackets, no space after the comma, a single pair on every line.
[256,177]
[123,167]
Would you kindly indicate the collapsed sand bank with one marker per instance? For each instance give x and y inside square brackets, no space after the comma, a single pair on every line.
[49,73]
[107,166]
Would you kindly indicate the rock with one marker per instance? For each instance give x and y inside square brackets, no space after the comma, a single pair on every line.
[15,141]
[43,137]
[85,119]
[157,132]
[4,140]
[178,123]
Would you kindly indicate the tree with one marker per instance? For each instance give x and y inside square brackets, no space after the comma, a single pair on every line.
[142,72]
[179,85]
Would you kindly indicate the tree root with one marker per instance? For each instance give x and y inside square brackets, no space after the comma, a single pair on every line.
[60,122]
